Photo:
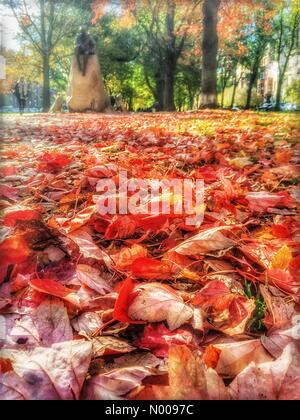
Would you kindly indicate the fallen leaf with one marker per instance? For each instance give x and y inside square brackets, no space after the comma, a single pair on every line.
[233,358]
[53,288]
[115,384]
[108,346]
[282,258]
[127,256]
[276,340]
[86,245]
[91,278]
[205,242]
[278,380]
[261,201]
[189,378]
[12,217]
[125,297]
[155,303]
[8,191]
[46,325]
[14,250]
[158,339]
[87,323]
[150,269]
[121,227]
[81,218]
[54,373]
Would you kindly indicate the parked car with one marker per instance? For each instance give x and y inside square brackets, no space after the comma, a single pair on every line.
[270,106]
[7,108]
[267,106]
[289,107]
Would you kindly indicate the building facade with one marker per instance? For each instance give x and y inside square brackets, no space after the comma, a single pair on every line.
[268,82]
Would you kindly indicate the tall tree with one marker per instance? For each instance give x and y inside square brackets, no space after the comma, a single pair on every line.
[45,24]
[166,28]
[119,47]
[226,69]
[210,43]
[286,35]
[171,57]
[234,17]
[256,39]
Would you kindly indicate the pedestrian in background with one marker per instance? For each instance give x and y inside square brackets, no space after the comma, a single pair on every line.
[21,93]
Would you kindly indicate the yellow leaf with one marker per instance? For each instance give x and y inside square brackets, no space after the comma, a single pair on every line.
[187,274]
[264,233]
[282,258]
[240,162]
[114,148]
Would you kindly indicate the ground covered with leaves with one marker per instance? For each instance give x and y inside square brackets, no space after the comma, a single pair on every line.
[146,307]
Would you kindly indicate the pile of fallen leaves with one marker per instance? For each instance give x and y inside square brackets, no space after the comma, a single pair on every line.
[141,306]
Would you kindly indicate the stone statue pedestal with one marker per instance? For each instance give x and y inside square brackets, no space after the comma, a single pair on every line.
[57,105]
[87,93]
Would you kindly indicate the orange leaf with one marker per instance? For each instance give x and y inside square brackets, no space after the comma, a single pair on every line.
[211,357]
[150,269]
[53,288]
[13,217]
[5,366]
[14,250]
[127,256]
[122,227]
[283,157]
[124,300]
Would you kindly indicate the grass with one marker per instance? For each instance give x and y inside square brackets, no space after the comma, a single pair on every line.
[256,324]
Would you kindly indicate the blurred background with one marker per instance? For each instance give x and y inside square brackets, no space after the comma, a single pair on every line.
[156,54]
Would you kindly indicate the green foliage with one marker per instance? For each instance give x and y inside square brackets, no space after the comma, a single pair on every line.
[187,87]
[118,50]
[293,92]
[256,324]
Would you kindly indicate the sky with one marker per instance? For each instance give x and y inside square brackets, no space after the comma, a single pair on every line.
[10,29]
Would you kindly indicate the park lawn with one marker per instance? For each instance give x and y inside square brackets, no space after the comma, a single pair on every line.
[107,296]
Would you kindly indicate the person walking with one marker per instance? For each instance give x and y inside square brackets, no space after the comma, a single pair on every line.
[21,93]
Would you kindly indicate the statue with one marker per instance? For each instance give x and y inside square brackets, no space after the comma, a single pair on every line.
[86,90]
[85,47]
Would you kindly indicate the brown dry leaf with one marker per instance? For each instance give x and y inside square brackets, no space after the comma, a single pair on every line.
[108,345]
[205,242]
[235,357]
[189,379]
[156,302]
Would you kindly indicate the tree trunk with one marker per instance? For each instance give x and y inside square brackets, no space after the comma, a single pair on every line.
[170,60]
[210,45]
[223,95]
[159,91]
[191,98]
[169,104]
[235,85]
[45,42]
[46,83]
[249,95]
[233,96]
[279,93]
[130,102]
[252,81]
